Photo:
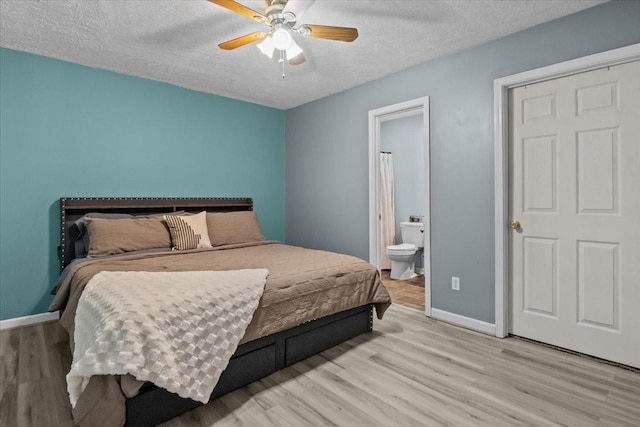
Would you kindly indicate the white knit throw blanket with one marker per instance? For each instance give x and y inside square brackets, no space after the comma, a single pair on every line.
[175,329]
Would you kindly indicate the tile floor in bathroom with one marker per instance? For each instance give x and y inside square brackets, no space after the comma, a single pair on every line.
[408,293]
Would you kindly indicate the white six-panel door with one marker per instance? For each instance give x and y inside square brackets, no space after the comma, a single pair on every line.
[574,188]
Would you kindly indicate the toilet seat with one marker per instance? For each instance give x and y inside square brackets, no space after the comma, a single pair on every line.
[402,249]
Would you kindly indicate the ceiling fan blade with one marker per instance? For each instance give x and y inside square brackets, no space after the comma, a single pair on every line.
[298,59]
[343,34]
[241,9]
[297,7]
[243,40]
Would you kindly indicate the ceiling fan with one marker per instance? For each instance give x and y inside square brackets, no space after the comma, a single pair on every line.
[282,16]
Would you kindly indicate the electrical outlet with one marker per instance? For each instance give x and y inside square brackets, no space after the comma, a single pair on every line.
[455,283]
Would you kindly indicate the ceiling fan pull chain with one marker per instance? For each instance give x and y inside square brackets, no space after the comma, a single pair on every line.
[283,61]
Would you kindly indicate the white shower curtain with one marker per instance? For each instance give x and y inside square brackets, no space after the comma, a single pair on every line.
[386,209]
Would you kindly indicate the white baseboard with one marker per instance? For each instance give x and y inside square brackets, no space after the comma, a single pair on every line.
[28,320]
[465,322]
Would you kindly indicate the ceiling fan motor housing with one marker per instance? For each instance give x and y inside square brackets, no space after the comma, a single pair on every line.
[275,15]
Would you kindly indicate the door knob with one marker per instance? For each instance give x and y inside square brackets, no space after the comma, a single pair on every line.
[515,225]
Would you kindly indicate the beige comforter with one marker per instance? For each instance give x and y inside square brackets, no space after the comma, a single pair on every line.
[303,285]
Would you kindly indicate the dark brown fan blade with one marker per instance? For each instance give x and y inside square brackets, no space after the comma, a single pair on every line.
[241,9]
[243,40]
[343,34]
[298,59]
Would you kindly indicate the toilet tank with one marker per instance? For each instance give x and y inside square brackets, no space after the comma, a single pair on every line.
[413,232]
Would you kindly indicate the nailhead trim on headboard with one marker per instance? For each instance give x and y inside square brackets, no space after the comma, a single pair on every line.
[82,205]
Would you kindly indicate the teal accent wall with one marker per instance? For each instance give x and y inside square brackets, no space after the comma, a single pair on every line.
[327,150]
[71,130]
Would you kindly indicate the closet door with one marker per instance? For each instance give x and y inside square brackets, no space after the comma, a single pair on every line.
[574,203]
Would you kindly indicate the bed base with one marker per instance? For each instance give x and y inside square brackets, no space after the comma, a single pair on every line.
[254,360]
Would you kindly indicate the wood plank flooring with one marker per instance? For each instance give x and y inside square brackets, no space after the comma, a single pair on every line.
[410,371]
[34,361]
[407,293]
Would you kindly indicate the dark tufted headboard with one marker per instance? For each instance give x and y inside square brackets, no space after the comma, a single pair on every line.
[73,208]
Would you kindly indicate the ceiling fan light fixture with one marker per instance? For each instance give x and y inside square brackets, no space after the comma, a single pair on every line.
[267,46]
[282,38]
[293,51]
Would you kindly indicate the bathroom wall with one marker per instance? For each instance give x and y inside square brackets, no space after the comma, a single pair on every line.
[403,138]
[327,144]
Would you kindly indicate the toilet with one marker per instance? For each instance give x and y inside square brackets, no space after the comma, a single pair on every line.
[403,256]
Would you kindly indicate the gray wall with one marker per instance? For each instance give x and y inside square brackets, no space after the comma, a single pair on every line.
[327,170]
[403,138]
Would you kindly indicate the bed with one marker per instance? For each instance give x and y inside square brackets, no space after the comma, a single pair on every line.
[312,299]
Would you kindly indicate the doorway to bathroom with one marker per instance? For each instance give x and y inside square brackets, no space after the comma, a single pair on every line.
[399,201]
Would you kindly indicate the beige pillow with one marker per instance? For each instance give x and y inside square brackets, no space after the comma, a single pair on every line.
[116,236]
[188,231]
[228,228]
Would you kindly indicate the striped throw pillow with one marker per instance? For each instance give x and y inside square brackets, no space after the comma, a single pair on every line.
[188,231]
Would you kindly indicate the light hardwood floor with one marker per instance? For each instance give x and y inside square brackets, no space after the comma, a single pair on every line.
[408,293]
[410,371]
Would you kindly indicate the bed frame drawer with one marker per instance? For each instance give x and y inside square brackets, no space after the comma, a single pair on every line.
[306,344]
[159,404]
[254,360]
[262,362]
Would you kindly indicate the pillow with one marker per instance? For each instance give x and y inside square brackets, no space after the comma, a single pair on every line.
[81,236]
[116,236]
[228,228]
[188,231]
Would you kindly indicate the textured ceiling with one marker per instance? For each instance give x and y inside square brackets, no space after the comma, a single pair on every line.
[176,41]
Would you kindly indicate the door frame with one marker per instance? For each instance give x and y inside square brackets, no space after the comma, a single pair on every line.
[376,118]
[501,87]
